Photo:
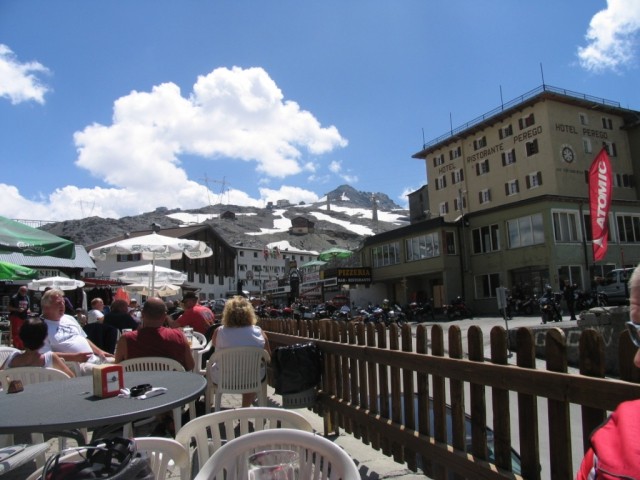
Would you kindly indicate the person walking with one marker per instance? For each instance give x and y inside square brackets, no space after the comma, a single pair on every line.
[570,298]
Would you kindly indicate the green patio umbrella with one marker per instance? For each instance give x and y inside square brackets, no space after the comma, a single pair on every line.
[20,238]
[313,263]
[11,271]
[334,252]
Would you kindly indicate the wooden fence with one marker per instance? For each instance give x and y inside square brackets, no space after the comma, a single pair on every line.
[377,387]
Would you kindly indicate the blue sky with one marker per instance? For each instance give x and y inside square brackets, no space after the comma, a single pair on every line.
[114,108]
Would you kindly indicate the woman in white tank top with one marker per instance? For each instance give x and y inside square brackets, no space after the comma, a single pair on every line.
[239,330]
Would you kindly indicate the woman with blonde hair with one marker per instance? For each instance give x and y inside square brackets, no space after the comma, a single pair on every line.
[239,329]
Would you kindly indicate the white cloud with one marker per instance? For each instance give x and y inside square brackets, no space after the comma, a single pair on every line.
[612,36]
[295,195]
[18,81]
[336,168]
[231,115]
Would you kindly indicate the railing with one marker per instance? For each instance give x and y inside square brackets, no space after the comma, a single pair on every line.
[517,101]
[373,374]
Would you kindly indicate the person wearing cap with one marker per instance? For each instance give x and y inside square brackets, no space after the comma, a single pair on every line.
[195,316]
[614,449]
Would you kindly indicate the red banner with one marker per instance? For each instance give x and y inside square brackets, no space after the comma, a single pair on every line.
[600,186]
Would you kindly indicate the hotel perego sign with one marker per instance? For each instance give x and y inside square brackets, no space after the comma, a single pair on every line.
[350,276]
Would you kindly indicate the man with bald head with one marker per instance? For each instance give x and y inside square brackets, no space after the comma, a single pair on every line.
[153,339]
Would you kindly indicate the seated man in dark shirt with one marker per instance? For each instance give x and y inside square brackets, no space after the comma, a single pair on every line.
[119,316]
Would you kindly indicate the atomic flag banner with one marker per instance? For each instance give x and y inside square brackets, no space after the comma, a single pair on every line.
[600,185]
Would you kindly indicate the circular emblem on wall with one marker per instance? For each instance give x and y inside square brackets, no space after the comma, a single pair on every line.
[567,153]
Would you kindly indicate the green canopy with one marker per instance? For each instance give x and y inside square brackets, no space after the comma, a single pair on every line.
[20,238]
[313,263]
[334,252]
[11,271]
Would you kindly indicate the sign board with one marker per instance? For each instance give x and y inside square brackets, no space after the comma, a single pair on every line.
[501,296]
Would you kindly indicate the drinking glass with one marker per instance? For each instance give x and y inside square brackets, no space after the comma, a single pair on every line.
[274,465]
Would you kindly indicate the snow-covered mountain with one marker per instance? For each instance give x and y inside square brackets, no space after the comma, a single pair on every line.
[344,220]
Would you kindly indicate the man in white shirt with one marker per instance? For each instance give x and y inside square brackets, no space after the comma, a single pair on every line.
[96,314]
[65,335]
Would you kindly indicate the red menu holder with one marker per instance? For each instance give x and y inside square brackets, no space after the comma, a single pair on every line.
[107,380]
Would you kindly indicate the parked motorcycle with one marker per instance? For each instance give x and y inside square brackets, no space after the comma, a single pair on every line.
[395,315]
[520,305]
[419,312]
[457,309]
[591,299]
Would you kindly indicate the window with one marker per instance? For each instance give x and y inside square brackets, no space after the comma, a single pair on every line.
[611,148]
[444,208]
[534,180]
[484,196]
[586,143]
[628,228]
[505,132]
[525,231]
[459,204]
[385,255]
[424,246]
[532,147]
[511,187]
[566,227]
[508,157]
[455,153]
[486,285]
[482,167]
[607,123]
[438,160]
[132,257]
[486,239]
[480,142]
[450,241]
[622,180]
[241,253]
[441,182]
[526,121]
[457,176]
[201,278]
[255,254]
[584,119]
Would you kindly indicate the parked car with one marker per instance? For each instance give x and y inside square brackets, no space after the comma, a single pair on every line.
[615,285]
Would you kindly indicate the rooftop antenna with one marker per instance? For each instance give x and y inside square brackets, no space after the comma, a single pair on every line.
[542,75]
[451,123]
[424,143]
[501,100]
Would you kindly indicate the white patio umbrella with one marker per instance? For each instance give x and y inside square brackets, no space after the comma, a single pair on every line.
[142,274]
[164,289]
[61,283]
[154,247]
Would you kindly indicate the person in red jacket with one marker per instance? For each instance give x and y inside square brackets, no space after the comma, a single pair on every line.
[615,446]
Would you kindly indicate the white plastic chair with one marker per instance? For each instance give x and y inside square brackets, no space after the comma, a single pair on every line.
[160,450]
[202,340]
[200,355]
[319,458]
[211,431]
[146,364]
[151,364]
[5,352]
[240,370]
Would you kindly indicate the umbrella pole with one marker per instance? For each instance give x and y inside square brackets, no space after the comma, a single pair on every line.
[153,275]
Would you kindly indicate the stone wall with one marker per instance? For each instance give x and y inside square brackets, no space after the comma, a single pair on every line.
[609,321]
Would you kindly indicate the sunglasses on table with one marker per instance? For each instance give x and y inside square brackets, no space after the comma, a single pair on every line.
[634,332]
[139,390]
